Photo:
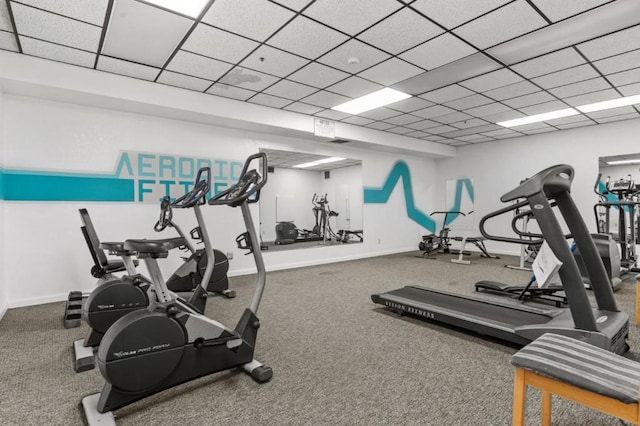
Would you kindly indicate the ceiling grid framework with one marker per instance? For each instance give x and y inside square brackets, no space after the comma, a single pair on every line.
[308,56]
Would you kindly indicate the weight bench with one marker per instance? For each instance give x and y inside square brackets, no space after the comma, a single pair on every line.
[478,242]
[579,372]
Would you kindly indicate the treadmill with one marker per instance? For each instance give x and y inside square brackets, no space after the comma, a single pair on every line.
[604,326]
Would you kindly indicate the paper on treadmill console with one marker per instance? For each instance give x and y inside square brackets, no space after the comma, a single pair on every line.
[546,266]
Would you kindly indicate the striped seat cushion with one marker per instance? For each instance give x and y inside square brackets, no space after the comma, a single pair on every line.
[582,365]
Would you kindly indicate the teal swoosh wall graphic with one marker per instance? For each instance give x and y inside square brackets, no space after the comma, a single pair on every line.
[400,170]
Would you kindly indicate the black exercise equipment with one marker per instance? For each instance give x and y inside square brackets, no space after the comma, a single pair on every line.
[170,343]
[604,326]
[433,244]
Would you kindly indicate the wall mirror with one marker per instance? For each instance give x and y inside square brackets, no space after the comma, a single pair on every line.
[310,200]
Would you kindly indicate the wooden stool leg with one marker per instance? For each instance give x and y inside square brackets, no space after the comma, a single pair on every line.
[519,397]
[546,408]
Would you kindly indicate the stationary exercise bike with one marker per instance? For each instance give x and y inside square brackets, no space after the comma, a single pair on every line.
[170,343]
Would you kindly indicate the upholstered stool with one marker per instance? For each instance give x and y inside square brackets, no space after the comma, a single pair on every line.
[577,371]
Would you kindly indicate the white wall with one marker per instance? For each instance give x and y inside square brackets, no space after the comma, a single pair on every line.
[3,285]
[498,167]
[47,135]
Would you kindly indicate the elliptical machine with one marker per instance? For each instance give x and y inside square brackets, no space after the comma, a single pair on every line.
[169,343]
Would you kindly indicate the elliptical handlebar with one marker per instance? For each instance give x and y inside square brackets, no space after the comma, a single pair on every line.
[250,183]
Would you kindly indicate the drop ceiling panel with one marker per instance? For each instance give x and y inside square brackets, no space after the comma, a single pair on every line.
[332,115]
[530,99]
[613,44]
[630,89]
[358,121]
[198,66]
[485,110]
[367,55]
[468,102]
[42,49]
[611,119]
[439,130]
[8,42]
[618,63]
[422,125]
[417,134]
[380,113]
[290,90]
[437,52]
[303,108]
[352,16]
[248,79]
[55,29]
[273,61]
[589,98]
[218,44]
[142,33]
[409,105]
[543,107]
[90,11]
[256,19]
[625,77]
[453,117]
[403,119]
[558,10]
[354,87]
[379,125]
[318,75]
[5,20]
[597,115]
[270,101]
[581,87]
[391,71]
[503,24]
[512,90]
[232,92]
[306,38]
[451,13]
[492,80]
[556,61]
[469,123]
[574,125]
[568,76]
[401,31]
[433,111]
[541,130]
[502,116]
[184,81]
[129,69]
[400,130]
[446,94]
[325,99]
[296,5]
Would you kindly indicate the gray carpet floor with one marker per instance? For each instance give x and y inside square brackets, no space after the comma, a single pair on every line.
[337,358]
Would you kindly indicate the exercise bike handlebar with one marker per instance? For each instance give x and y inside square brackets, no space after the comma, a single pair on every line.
[197,195]
[249,184]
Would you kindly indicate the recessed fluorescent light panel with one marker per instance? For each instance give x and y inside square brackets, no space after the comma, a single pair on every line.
[539,117]
[371,101]
[619,162]
[191,8]
[613,103]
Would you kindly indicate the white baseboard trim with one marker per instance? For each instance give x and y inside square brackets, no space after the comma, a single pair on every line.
[30,301]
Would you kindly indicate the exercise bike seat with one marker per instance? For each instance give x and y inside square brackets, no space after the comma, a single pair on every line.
[116,247]
[154,248]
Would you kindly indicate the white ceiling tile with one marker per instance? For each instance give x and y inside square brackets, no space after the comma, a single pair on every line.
[485,110]
[558,10]
[451,13]
[422,125]
[332,115]
[367,55]
[401,120]
[273,61]
[581,87]
[91,11]
[232,92]
[379,125]
[437,52]
[474,138]
[198,66]
[501,132]
[303,108]
[568,120]
[612,44]
[248,79]
[129,69]
[268,100]
[401,31]
[540,130]
[571,75]
[512,90]
[417,134]
[468,102]
[55,52]
[492,80]
[597,115]
[351,16]
[469,123]
[532,126]
[142,33]
[503,116]
[391,71]
[632,116]
[184,81]
[618,63]
[556,61]
[472,130]
[576,124]
[446,94]
[358,121]
[630,89]
[625,77]
[399,130]
[354,87]
[379,114]
[530,99]
[306,38]
[218,44]
[544,107]
[453,117]
[508,22]
[325,99]
[433,111]
[318,75]
[589,98]
[411,104]
[8,41]
[290,90]
[294,4]
[54,28]
[441,129]
[256,19]
[5,19]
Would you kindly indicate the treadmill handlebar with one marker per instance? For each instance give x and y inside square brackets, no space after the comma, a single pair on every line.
[550,181]
[502,211]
